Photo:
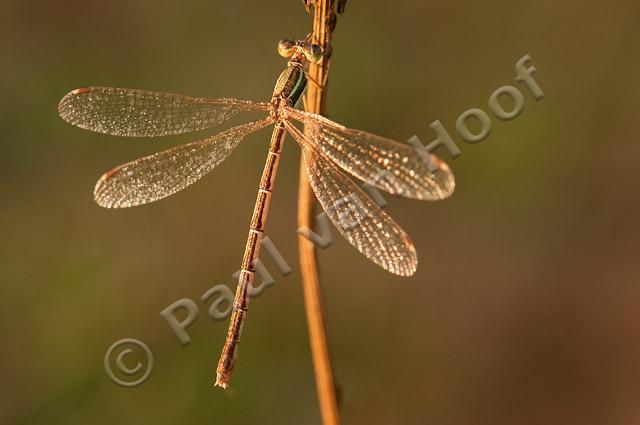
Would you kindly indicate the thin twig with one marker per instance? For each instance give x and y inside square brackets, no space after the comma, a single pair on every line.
[323,24]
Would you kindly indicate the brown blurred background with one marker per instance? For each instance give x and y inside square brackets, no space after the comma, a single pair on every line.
[524,309]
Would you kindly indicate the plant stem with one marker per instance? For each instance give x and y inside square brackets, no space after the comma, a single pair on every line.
[323,23]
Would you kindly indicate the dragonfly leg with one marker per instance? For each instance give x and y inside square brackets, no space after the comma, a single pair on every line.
[317,84]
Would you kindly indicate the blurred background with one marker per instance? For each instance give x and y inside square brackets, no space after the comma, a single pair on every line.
[524,309]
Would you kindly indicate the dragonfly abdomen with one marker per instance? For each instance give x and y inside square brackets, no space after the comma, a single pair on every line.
[251,252]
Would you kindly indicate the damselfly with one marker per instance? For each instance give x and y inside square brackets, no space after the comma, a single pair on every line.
[329,149]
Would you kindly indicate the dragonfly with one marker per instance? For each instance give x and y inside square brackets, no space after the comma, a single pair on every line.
[334,157]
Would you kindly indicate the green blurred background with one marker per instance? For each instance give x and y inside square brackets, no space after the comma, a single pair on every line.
[524,309]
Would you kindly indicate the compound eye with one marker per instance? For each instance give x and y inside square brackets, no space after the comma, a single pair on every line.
[286,48]
[313,53]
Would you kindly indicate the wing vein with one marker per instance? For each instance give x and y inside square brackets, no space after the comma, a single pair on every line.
[386,164]
[356,216]
[159,175]
[141,113]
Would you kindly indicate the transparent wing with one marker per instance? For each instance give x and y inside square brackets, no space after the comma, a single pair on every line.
[360,220]
[164,173]
[140,113]
[388,165]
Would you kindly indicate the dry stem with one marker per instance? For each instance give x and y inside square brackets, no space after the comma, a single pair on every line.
[323,22]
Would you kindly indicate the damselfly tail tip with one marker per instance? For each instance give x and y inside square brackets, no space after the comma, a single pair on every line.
[220,382]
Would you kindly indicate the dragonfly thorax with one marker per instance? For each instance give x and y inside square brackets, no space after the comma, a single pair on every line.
[290,84]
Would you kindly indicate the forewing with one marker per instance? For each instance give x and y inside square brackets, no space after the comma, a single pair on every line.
[140,113]
[386,164]
[360,220]
[164,173]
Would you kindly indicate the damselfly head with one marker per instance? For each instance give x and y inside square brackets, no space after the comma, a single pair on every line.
[312,52]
